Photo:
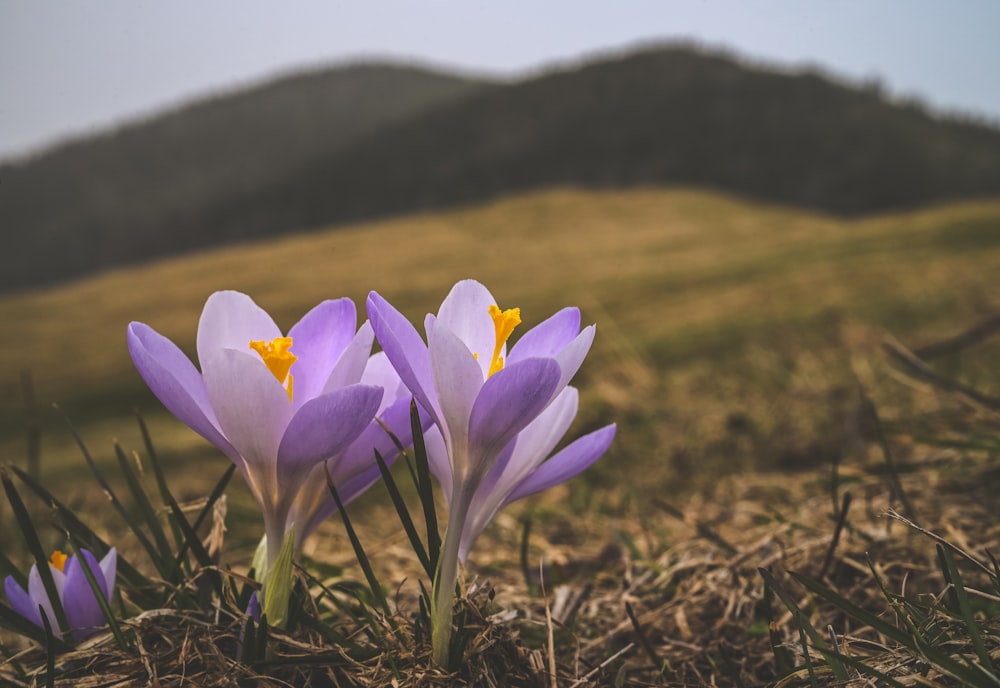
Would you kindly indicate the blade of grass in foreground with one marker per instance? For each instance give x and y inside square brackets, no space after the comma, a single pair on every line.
[161,481]
[141,498]
[359,553]
[404,514]
[803,623]
[971,674]
[161,567]
[425,489]
[965,608]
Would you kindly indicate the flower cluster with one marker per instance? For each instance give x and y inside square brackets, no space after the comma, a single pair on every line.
[294,410]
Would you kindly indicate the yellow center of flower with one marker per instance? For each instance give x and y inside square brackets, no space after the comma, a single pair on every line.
[277,358]
[504,323]
[58,560]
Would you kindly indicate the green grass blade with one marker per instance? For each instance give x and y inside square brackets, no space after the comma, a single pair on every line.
[141,499]
[161,481]
[894,483]
[860,666]
[801,624]
[971,674]
[50,653]
[359,553]
[962,597]
[404,515]
[817,639]
[425,489]
[213,497]
[35,547]
[9,568]
[151,549]
[532,589]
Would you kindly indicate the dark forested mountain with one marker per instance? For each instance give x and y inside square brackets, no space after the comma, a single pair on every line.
[138,192]
[660,116]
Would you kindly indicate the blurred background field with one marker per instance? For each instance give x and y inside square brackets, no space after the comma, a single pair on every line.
[732,335]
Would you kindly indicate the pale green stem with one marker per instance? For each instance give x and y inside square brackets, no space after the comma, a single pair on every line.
[447,575]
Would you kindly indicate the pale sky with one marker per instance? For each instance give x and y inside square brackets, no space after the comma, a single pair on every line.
[83,65]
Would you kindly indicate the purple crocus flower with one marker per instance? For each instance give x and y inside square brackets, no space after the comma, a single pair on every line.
[83,612]
[480,398]
[525,466]
[277,406]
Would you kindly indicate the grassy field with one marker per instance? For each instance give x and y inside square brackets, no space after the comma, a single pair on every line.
[730,334]
[736,346]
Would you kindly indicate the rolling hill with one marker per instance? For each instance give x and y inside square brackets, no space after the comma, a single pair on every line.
[375,141]
[731,335]
[133,193]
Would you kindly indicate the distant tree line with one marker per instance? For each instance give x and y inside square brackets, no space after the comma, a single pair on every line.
[370,141]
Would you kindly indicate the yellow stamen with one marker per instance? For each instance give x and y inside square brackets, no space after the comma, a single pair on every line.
[277,358]
[504,322]
[58,560]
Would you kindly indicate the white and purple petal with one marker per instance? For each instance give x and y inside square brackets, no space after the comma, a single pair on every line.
[323,427]
[549,337]
[351,366]
[405,350]
[508,401]
[318,340]
[83,612]
[176,383]
[466,313]
[22,602]
[231,320]
[253,411]
[568,463]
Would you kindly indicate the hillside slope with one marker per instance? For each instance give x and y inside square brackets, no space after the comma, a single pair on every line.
[135,192]
[667,116]
[370,142]
[730,334]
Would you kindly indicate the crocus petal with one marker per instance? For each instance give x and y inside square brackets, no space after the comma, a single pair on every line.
[533,445]
[319,339]
[406,350]
[109,567]
[360,455]
[466,313]
[571,357]
[572,460]
[487,502]
[548,337]
[347,491]
[83,612]
[458,379]
[438,461]
[323,427]
[231,320]
[176,383]
[36,589]
[21,602]
[351,365]
[253,411]
[508,401]
[380,373]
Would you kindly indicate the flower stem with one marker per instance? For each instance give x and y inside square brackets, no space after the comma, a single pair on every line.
[444,581]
